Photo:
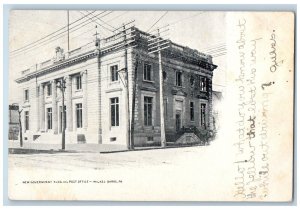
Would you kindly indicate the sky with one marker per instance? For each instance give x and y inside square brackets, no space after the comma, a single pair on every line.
[199,30]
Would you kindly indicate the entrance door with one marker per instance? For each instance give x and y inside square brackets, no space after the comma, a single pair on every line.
[60,118]
[178,121]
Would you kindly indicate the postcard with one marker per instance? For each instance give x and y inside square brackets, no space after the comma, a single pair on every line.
[151,105]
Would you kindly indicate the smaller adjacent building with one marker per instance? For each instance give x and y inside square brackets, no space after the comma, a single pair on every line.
[13,133]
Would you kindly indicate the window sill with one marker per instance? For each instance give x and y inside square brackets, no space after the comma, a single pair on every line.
[114,82]
[148,81]
[148,127]
[78,90]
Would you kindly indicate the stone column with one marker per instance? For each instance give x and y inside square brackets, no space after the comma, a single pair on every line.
[42,108]
[69,103]
[84,99]
[54,108]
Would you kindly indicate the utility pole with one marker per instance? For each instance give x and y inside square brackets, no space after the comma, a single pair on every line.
[68,32]
[129,145]
[20,124]
[98,51]
[127,40]
[134,86]
[157,44]
[161,99]
[62,86]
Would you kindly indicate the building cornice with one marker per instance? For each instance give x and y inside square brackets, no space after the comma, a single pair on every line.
[59,65]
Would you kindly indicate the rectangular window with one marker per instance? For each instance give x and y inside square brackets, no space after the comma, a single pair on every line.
[114,111]
[150,138]
[49,90]
[78,82]
[147,72]
[26,95]
[203,115]
[192,116]
[179,78]
[148,111]
[49,118]
[203,84]
[79,115]
[26,120]
[114,73]
[113,139]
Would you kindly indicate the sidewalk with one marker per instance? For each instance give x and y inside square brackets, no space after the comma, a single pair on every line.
[83,148]
[14,147]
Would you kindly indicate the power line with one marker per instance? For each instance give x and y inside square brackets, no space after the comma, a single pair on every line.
[157,21]
[105,22]
[215,45]
[214,48]
[62,33]
[49,34]
[218,55]
[49,40]
[175,22]
[96,21]
[117,16]
[215,51]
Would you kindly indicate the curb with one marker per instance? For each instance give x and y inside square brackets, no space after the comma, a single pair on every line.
[152,148]
[37,151]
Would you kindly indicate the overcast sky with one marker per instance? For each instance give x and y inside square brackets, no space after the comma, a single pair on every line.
[195,29]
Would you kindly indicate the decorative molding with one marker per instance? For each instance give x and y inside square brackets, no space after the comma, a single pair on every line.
[151,89]
[113,90]
[83,72]
[57,66]
[77,97]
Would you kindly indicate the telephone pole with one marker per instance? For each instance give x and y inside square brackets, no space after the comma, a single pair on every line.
[134,87]
[128,33]
[129,145]
[68,32]
[62,86]
[157,44]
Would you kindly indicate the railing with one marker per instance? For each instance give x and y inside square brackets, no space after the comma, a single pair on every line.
[203,134]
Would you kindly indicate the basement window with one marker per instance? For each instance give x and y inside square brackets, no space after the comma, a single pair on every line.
[113,139]
[150,138]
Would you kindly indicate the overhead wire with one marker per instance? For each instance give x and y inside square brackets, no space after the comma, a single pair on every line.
[157,21]
[49,34]
[62,33]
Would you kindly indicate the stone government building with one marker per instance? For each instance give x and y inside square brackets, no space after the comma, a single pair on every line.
[98,104]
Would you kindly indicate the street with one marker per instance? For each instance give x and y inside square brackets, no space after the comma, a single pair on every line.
[183,173]
[97,161]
